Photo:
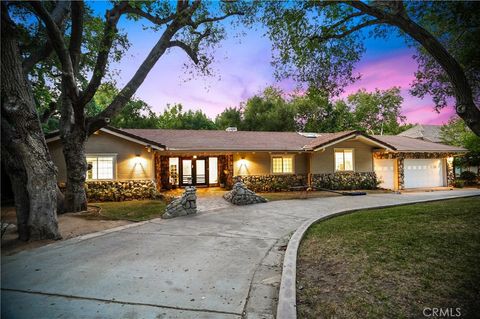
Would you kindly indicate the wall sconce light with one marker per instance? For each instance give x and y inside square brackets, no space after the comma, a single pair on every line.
[149,148]
[138,159]
[194,156]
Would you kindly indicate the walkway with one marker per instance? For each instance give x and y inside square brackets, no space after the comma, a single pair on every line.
[222,263]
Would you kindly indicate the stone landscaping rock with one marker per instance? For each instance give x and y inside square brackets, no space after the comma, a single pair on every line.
[185,205]
[241,195]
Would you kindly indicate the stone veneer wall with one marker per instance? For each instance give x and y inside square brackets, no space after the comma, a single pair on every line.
[225,170]
[120,190]
[345,180]
[417,155]
[273,183]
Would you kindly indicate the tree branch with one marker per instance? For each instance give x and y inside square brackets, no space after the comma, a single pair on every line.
[76,34]
[131,87]
[192,53]
[52,108]
[196,24]
[59,15]
[348,32]
[56,39]
[112,16]
[344,20]
[155,20]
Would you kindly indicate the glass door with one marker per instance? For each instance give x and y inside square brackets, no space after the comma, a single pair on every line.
[200,171]
[187,170]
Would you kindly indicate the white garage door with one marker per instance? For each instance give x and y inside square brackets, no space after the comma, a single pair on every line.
[384,168]
[423,173]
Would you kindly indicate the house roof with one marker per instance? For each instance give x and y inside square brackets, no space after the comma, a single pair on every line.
[55,135]
[408,144]
[328,139]
[216,140]
[429,133]
[210,140]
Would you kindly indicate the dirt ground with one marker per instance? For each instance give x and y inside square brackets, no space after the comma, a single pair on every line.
[71,225]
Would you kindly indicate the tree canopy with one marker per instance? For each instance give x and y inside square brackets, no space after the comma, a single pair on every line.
[319,43]
[377,112]
[456,133]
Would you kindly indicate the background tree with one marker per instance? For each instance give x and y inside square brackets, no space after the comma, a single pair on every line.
[230,117]
[268,112]
[377,112]
[175,118]
[319,42]
[135,114]
[316,113]
[456,133]
[192,27]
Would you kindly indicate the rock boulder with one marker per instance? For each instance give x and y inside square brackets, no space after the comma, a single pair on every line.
[241,195]
[185,205]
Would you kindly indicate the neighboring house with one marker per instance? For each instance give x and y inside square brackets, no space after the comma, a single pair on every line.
[265,160]
[430,133]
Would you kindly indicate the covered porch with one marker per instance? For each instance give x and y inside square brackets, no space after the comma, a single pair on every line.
[200,169]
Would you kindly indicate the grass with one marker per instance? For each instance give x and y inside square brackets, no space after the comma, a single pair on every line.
[393,262]
[135,210]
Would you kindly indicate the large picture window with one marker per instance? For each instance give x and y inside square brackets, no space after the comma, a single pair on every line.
[344,159]
[100,167]
[282,164]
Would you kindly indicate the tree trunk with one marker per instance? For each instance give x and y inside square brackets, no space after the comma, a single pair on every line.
[74,153]
[24,150]
[18,178]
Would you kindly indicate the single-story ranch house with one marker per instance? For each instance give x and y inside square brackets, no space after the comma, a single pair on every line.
[123,158]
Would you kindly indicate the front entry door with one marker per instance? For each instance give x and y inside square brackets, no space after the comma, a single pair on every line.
[194,171]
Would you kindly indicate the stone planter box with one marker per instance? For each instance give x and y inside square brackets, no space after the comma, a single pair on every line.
[109,191]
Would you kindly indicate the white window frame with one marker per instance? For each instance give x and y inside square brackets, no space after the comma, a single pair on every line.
[114,168]
[335,150]
[292,156]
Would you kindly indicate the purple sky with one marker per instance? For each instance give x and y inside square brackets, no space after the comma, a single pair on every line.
[242,68]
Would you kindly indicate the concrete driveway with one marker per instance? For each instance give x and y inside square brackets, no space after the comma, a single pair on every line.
[224,262]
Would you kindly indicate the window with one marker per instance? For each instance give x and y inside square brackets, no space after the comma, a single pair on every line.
[100,167]
[344,160]
[282,164]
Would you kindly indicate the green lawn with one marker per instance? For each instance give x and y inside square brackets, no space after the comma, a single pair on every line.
[135,210]
[393,262]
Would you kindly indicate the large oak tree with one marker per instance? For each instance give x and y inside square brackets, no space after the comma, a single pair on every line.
[192,26]
[319,42]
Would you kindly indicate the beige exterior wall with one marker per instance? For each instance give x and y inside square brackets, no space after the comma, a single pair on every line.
[324,162]
[259,163]
[128,166]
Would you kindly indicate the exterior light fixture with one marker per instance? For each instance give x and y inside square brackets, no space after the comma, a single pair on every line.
[194,156]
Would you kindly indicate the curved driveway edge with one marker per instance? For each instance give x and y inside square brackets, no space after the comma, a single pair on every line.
[287,301]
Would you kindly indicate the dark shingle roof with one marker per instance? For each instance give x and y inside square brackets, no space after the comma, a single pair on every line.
[209,140]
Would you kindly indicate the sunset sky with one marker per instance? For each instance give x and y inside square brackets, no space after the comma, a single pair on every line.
[242,69]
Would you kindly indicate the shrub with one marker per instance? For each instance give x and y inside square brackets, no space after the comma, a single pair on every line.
[468,177]
[459,183]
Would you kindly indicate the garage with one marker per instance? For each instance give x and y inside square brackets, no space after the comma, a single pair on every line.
[423,173]
[385,171]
